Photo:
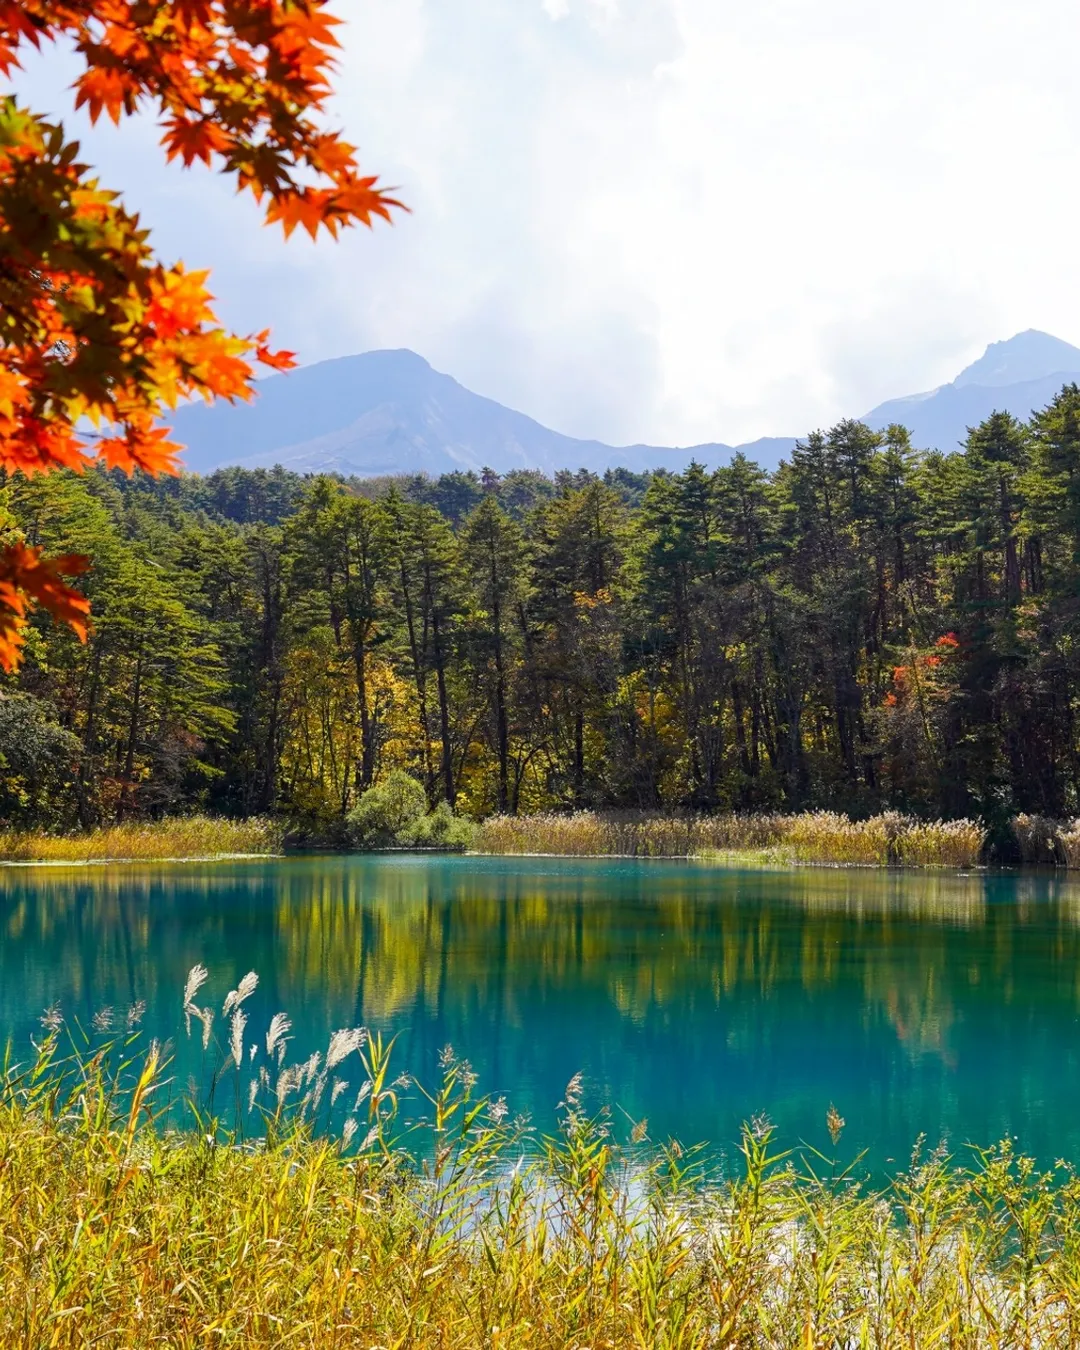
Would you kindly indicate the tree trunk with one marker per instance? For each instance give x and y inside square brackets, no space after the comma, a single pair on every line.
[444,708]
[502,730]
[124,804]
[82,787]
[420,676]
[367,737]
[579,757]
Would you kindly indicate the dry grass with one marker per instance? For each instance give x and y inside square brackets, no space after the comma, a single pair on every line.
[177,837]
[941,843]
[1070,843]
[824,836]
[587,834]
[115,1232]
[1042,841]
[811,837]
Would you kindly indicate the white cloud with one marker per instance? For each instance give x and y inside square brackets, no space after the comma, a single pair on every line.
[672,220]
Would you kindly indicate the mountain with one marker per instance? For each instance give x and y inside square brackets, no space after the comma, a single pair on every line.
[1028,356]
[1016,376]
[389,412]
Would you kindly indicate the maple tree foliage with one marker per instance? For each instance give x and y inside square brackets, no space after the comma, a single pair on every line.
[97,336]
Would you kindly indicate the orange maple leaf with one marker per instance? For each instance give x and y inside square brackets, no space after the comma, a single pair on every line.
[195,140]
[280,360]
[180,302]
[25,574]
[148,449]
[106,89]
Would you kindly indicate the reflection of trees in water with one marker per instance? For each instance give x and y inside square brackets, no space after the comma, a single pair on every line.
[392,938]
[922,1019]
[683,983]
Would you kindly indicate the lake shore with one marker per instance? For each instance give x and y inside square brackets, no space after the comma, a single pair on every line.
[174,839]
[818,838]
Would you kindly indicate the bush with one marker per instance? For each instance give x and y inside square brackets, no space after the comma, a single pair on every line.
[394,814]
[1039,841]
[386,813]
[442,829]
[37,761]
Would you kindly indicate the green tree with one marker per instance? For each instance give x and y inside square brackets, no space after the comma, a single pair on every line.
[492,548]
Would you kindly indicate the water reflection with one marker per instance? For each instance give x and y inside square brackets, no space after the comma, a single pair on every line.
[695,996]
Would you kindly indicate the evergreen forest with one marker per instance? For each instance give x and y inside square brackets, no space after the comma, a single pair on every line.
[871,626]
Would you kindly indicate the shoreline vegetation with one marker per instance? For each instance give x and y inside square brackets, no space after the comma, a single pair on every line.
[415,1218]
[172,839]
[810,838]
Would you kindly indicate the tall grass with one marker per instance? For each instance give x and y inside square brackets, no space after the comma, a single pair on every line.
[175,837]
[468,1232]
[1041,840]
[811,837]
[587,833]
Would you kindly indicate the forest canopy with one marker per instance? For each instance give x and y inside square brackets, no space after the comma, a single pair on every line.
[869,626]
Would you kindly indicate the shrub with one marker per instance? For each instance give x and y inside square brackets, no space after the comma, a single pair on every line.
[1070,843]
[37,760]
[394,814]
[441,829]
[1039,840]
[387,812]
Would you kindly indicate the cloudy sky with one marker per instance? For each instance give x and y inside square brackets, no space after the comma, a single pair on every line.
[668,220]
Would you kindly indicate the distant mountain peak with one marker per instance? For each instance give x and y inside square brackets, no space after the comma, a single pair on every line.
[1018,376]
[1030,355]
[391,412]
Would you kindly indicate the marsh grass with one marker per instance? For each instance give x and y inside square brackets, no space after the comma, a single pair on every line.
[465,1230]
[810,837]
[629,834]
[1041,841]
[174,837]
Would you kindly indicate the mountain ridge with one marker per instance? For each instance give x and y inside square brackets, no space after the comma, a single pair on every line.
[406,408]
[389,412]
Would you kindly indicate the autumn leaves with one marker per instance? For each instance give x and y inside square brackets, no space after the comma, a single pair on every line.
[97,337]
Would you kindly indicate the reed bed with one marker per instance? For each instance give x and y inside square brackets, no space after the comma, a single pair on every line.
[809,837]
[176,837]
[1041,841]
[825,836]
[941,843]
[468,1231]
[588,833]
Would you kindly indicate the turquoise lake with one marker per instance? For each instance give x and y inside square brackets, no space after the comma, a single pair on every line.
[936,1004]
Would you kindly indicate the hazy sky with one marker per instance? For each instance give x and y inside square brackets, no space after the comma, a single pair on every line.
[668,220]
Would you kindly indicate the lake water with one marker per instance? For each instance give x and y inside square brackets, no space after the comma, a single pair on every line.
[694,996]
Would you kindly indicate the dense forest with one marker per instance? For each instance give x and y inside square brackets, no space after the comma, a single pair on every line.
[871,625]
